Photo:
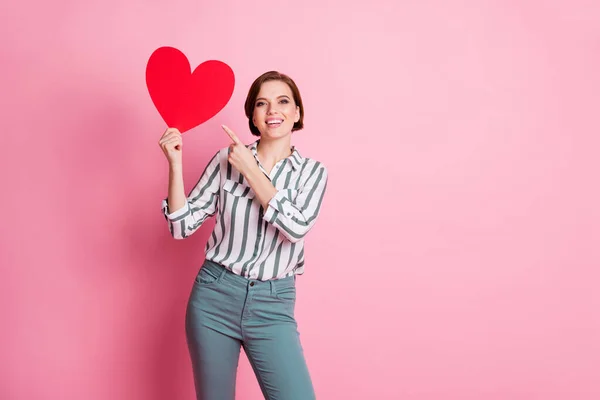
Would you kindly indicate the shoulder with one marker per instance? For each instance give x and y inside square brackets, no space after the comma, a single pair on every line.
[221,156]
[312,172]
[310,165]
[222,153]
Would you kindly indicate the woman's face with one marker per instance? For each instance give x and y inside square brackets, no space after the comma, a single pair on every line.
[275,111]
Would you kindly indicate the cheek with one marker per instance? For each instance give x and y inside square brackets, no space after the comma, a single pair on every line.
[291,112]
[255,116]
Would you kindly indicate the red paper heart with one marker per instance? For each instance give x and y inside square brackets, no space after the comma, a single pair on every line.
[185,99]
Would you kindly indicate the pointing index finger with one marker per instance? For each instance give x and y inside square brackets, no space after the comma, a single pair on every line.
[231,134]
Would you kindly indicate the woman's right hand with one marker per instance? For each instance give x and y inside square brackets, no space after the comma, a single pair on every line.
[171,144]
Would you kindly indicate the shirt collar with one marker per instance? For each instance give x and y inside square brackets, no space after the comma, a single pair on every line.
[295,159]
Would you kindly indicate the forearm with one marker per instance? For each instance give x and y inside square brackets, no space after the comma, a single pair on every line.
[262,186]
[294,213]
[186,213]
[177,198]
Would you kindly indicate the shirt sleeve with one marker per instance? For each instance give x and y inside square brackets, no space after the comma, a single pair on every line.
[295,218]
[200,204]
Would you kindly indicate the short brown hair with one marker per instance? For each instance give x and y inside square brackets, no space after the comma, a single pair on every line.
[253,94]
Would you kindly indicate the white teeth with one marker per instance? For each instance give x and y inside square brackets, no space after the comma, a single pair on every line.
[274,122]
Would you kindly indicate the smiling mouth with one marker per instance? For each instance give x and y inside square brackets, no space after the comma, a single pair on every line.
[274,123]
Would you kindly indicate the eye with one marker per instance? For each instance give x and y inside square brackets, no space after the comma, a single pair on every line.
[284,101]
[260,103]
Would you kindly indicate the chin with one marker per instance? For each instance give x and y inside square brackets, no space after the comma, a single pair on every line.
[275,134]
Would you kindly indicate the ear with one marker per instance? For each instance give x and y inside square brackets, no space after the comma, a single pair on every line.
[297,116]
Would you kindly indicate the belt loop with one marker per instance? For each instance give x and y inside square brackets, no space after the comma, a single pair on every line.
[273,289]
[223,272]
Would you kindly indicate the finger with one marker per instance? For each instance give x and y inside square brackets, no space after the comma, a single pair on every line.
[171,135]
[171,144]
[173,140]
[171,132]
[231,134]
[169,140]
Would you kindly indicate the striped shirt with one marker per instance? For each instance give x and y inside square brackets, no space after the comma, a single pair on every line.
[247,239]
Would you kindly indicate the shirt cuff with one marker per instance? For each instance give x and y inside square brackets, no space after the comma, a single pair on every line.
[177,214]
[275,206]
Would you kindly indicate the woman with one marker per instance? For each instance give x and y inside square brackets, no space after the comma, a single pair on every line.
[266,197]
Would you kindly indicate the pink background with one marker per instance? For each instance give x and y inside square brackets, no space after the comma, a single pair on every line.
[457,256]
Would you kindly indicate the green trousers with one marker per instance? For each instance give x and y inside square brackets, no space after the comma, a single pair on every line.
[226,312]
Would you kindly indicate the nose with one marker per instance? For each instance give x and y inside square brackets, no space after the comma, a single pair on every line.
[271,109]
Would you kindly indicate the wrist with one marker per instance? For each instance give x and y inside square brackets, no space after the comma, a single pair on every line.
[253,173]
[175,167]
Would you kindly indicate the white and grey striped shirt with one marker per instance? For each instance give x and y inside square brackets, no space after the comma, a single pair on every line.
[248,240]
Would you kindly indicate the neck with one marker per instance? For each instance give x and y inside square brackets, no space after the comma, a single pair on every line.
[274,150]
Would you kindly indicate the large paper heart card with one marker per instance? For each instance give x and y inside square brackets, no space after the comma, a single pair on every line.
[186,99]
